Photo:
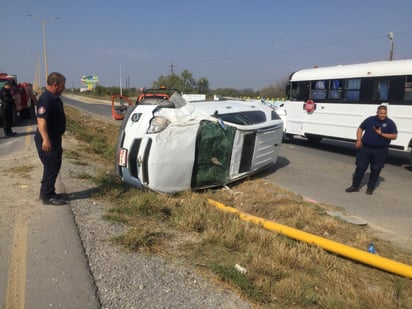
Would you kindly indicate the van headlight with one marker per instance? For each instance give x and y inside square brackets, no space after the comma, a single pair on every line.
[158,124]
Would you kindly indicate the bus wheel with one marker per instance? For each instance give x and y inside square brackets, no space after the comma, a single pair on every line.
[287,137]
[313,138]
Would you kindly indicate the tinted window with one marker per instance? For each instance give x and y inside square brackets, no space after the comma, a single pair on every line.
[408,88]
[353,89]
[300,91]
[244,118]
[335,89]
[318,90]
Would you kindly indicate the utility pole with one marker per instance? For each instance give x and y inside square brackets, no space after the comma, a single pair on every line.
[43,27]
[36,82]
[172,65]
[390,37]
[121,92]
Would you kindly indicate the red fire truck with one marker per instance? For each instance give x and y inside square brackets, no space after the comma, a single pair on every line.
[24,97]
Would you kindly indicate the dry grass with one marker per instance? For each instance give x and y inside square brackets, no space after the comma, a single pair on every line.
[21,171]
[280,272]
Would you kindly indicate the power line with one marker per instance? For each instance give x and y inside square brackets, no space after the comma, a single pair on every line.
[295,49]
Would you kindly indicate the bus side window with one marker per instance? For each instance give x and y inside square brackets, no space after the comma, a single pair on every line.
[335,91]
[352,89]
[293,91]
[408,89]
[381,90]
[396,89]
[302,90]
[318,90]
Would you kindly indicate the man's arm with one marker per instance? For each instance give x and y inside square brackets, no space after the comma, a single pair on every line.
[391,136]
[42,126]
[359,133]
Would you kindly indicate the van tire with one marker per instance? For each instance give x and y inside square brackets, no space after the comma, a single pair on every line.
[313,138]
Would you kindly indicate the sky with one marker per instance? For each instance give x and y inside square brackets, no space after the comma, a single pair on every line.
[233,43]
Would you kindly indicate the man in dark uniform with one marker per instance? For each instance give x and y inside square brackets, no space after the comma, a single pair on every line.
[7,108]
[372,141]
[51,125]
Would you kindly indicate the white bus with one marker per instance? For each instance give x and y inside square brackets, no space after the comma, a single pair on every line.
[332,101]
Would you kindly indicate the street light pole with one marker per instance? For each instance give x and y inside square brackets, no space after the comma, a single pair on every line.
[390,37]
[43,27]
[46,67]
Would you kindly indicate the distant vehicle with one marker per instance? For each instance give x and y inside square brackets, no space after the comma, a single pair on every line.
[332,101]
[24,97]
[121,103]
[119,106]
[172,145]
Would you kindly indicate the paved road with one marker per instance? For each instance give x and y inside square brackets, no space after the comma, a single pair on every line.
[42,262]
[97,107]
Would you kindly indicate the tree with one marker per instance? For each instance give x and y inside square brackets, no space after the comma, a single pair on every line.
[100,90]
[232,92]
[203,85]
[186,83]
[183,82]
[189,82]
[276,90]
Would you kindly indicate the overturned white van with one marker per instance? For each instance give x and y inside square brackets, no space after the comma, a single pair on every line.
[172,145]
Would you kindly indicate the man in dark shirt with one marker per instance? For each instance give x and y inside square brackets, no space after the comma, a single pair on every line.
[51,125]
[7,108]
[372,141]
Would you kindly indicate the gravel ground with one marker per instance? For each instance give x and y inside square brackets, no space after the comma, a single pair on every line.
[132,279]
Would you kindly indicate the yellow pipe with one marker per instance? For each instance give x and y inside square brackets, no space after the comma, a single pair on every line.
[329,245]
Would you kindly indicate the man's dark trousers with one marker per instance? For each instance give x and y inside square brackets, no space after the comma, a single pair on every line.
[52,162]
[7,110]
[376,157]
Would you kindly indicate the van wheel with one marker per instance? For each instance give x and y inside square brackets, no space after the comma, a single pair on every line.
[314,138]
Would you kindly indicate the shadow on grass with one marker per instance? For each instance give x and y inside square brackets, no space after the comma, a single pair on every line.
[81,195]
